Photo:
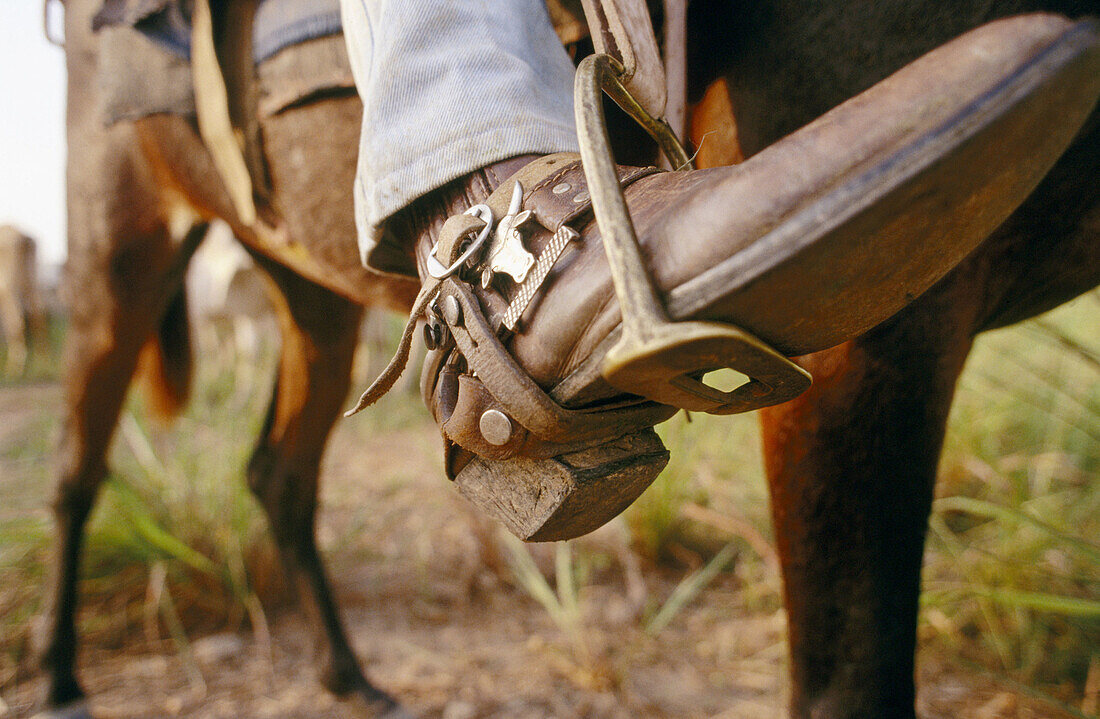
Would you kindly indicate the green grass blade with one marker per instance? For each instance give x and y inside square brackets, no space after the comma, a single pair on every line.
[688,588]
[989,510]
[1042,602]
[143,524]
[530,579]
[1055,334]
[567,590]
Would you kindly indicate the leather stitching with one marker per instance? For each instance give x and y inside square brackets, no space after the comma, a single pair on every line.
[545,182]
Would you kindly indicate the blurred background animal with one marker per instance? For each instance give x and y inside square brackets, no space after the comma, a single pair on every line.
[229,300]
[22,311]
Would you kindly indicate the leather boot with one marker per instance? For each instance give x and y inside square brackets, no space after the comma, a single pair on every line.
[805,245]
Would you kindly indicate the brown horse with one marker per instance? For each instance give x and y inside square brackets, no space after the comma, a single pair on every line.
[140,195]
[851,463]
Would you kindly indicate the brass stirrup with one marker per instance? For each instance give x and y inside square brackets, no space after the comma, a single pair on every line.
[655,357]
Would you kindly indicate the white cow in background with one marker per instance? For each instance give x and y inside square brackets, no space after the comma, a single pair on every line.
[226,289]
[22,315]
[228,303]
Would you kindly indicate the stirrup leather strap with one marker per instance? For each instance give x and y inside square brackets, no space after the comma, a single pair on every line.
[487,376]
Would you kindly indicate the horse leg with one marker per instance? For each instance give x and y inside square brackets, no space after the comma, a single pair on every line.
[319,331]
[852,462]
[124,293]
[851,467]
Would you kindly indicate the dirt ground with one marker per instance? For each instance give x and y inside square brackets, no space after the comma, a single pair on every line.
[434,613]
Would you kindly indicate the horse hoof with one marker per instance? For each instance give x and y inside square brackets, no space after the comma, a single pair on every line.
[379,705]
[397,712]
[75,710]
[372,702]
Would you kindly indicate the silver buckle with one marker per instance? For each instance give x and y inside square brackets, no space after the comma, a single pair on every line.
[506,252]
[437,269]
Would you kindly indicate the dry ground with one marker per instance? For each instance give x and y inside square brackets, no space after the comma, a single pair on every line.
[431,604]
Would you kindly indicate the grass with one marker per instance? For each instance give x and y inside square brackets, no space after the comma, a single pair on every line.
[23,555]
[715,463]
[1012,570]
[562,604]
[688,589]
[176,544]
[177,505]
[174,515]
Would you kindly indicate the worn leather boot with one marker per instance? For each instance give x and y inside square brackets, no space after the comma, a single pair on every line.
[809,243]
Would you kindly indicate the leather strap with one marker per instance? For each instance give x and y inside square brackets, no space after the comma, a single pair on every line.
[520,397]
[623,29]
[226,105]
[472,373]
[562,197]
[214,115]
[480,377]
[554,189]
[537,427]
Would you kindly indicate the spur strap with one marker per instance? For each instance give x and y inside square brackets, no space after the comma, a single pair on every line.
[527,421]
[494,408]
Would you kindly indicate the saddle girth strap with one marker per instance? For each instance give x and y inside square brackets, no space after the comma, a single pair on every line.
[226,100]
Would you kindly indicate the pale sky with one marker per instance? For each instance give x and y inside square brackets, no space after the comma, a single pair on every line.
[32,128]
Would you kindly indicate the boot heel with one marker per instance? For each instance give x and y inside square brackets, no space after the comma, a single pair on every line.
[546,500]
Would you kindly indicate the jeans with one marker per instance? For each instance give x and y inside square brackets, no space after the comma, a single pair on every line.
[449,86]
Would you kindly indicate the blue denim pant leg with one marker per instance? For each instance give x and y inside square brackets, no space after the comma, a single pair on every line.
[449,87]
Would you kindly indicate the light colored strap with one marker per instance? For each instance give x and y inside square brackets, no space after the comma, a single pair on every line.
[623,30]
[212,107]
[675,56]
[385,381]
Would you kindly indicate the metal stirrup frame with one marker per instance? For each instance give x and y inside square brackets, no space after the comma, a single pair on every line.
[655,357]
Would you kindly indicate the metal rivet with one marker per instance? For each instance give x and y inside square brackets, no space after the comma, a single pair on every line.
[452,311]
[561,188]
[433,335]
[580,197]
[495,427]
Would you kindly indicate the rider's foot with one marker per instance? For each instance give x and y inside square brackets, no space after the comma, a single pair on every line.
[809,243]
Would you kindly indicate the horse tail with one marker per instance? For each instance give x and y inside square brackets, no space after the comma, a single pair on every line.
[164,366]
